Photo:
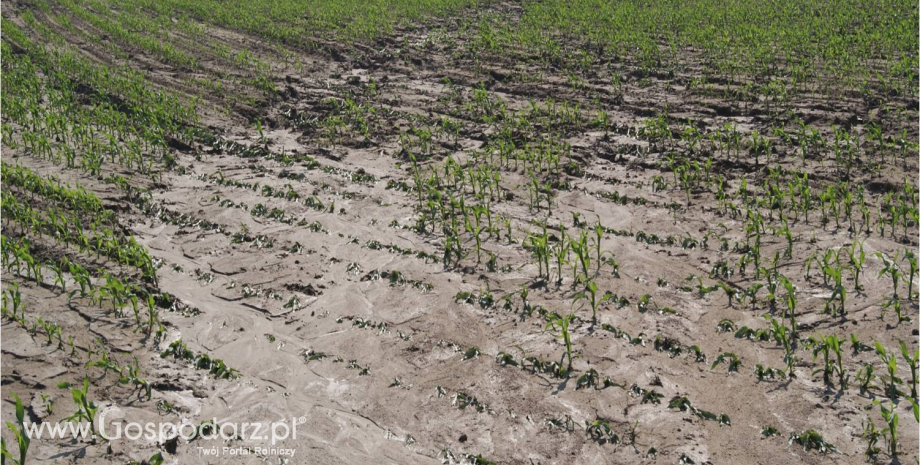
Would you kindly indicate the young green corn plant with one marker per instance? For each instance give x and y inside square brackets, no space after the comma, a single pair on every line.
[790,306]
[730,292]
[16,300]
[839,293]
[133,377]
[583,255]
[561,253]
[911,258]
[891,269]
[912,363]
[599,231]
[787,234]
[857,257]
[783,338]
[560,325]
[864,377]
[829,346]
[891,419]
[842,377]
[891,364]
[19,430]
[86,409]
[589,294]
[539,246]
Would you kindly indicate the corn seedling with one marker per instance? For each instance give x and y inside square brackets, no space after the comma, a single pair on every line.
[19,431]
[891,364]
[913,362]
[891,420]
[560,325]
[86,409]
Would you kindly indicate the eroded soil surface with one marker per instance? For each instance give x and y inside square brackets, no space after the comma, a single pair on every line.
[299,259]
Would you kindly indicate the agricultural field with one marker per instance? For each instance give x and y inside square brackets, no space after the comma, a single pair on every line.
[460,231]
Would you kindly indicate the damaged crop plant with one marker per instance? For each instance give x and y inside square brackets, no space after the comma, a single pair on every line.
[455,229]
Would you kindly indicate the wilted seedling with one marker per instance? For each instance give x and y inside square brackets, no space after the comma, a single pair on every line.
[648,396]
[179,351]
[564,423]
[486,300]
[465,297]
[505,359]
[353,269]
[472,352]
[765,373]
[462,400]
[639,340]
[607,382]
[651,396]
[599,431]
[858,346]
[812,440]
[871,435]
[769,431]
[311,355]
[588,379]
[617,333]
[698,354]
[666,344]
[725,326]
[734,363]
[362,371]
[164,407]
[681,403]
[643,303]
[477,460]
[754,335]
